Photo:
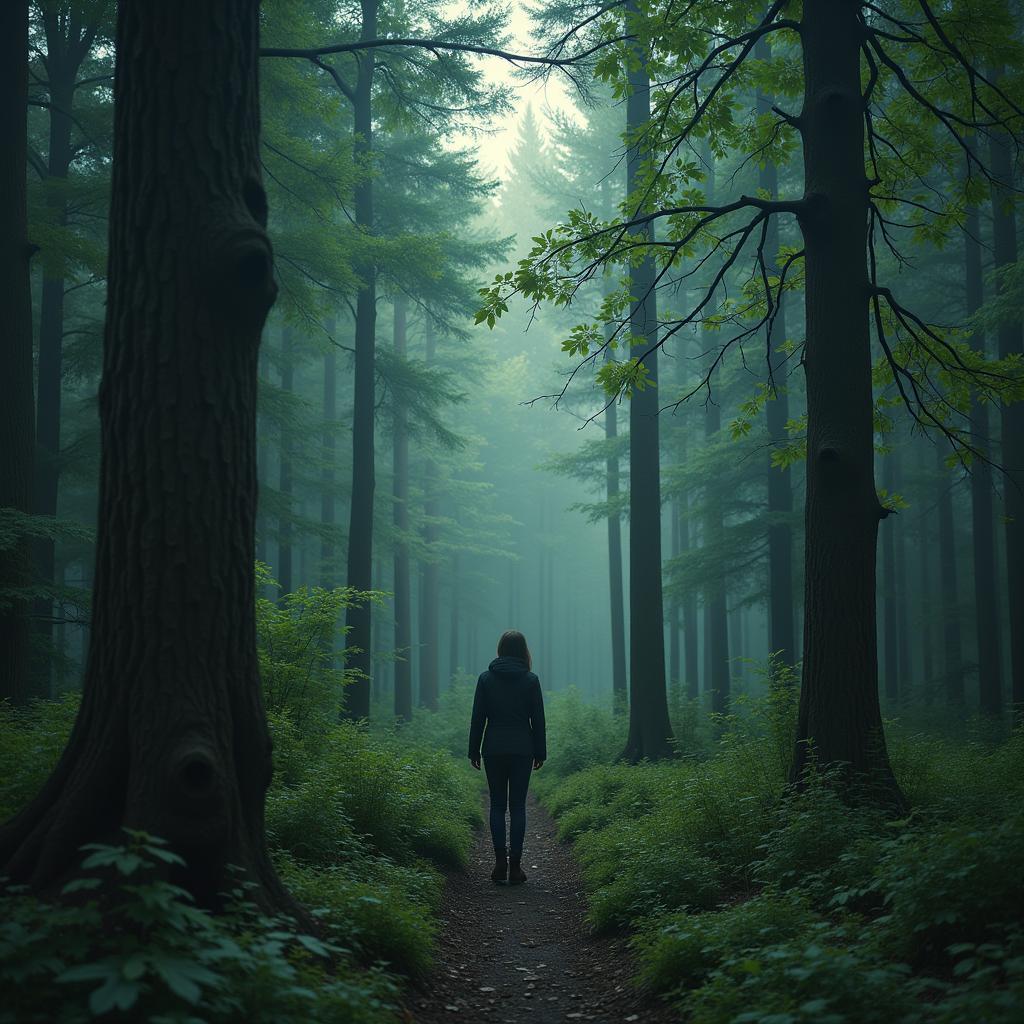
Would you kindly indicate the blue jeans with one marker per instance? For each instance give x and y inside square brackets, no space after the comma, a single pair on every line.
[508,778]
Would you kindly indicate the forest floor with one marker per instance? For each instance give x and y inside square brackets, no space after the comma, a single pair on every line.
[510,954]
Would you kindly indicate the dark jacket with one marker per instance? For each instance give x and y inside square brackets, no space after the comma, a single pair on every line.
[509,702]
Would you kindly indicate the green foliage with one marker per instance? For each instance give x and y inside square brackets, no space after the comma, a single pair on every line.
[949,891]
[582,735]
[755,902]
[31,741]
[403,800]
[680,951]
[295,638]
[163,959]
[380,910]
[356,822]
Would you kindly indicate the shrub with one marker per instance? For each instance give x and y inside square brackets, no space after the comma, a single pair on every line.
[643,867]
[810,831]
[295,637]
[950,890]
[379,910]
[817,978]
[679,951]
[31,741]
[134,943]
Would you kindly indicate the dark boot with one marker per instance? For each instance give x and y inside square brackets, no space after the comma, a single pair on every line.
[500,872]
[515,870]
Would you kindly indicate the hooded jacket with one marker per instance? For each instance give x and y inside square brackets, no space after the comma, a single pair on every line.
[509,703]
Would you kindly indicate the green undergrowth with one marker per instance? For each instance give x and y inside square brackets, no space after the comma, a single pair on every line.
[751,903]
[361,823]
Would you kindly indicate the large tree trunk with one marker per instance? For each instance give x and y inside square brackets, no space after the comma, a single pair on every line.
[650,732]
[781,632]
[839,709]
[1011,342]
[171,736]
[17,428]
[360,532]
[400,518]
[430,591]
[986,606]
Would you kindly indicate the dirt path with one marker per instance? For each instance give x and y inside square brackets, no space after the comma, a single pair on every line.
[518,954]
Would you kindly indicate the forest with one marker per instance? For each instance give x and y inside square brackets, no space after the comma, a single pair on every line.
[343,336]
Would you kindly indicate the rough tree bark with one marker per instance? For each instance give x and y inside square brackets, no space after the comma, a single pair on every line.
[400,518]
[986,613]
[360,533]
[650,732]
[839,710]
[17,426]
[1010,338]
[171,736]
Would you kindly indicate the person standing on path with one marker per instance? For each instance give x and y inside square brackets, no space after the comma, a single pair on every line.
[508,702]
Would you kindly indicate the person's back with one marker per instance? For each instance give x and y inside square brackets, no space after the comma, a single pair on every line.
[508,729]
[510,695]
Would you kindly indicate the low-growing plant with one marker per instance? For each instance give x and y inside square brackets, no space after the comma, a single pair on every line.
[680,951]
[134,945]
[31,741]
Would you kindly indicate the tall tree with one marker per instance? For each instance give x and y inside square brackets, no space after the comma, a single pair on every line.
[986,615]
[615,576]
[171,735]
[328,569]
[430,591]
[1010,340]
[650,732]
[716,619]
[69,29]
[400,500]
[16,415]
[952,647]
[360,530]
[839,711]
[781,631]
